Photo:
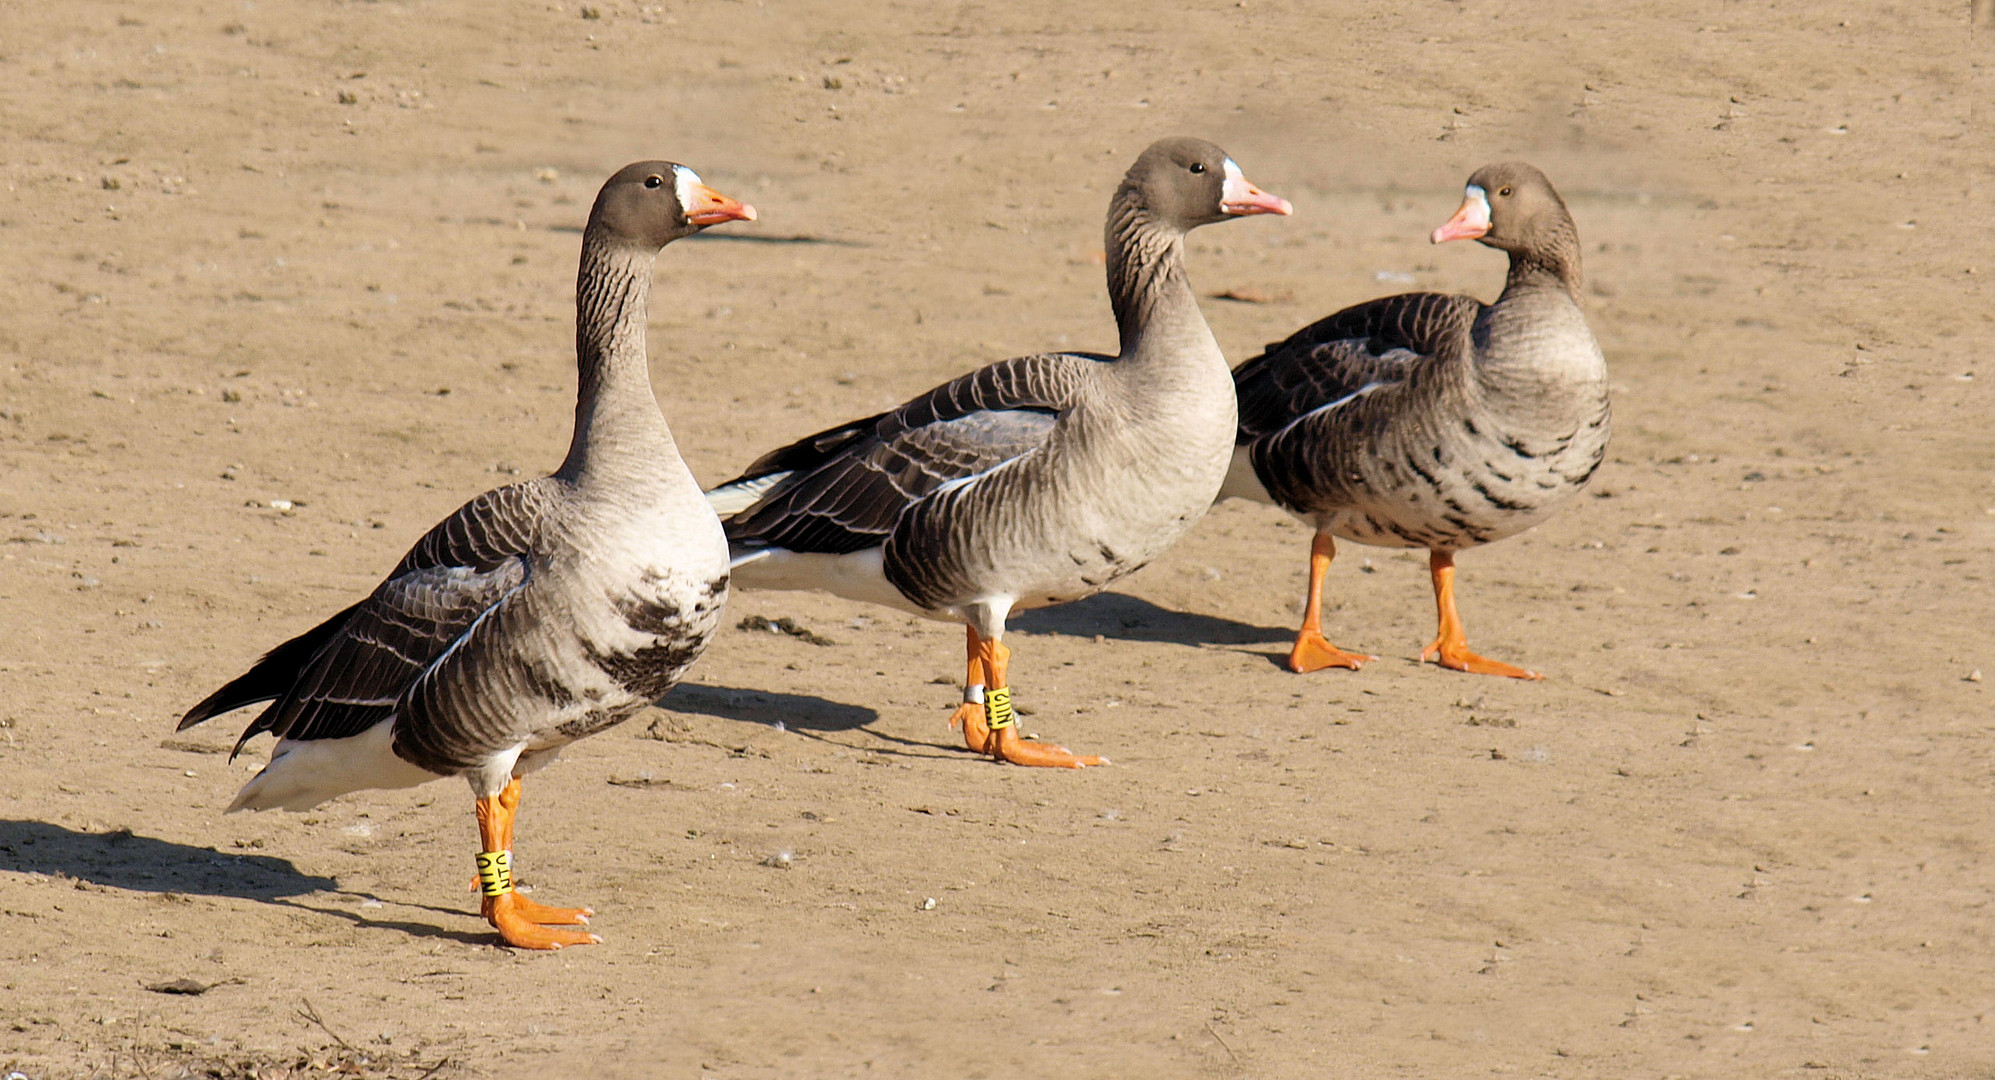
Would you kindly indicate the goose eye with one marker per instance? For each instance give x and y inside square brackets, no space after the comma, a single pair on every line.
[1197,168]
[1503,192]
[654,181]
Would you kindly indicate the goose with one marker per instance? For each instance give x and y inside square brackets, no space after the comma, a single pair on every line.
[1033,481]
[1431,420]
[540,612]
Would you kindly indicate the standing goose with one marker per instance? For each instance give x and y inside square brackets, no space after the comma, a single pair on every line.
[1033,481]
[1425,420]
[536,614]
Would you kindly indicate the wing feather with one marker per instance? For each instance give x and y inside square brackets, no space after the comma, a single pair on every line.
[1338,357]
[846,486]
[352,671]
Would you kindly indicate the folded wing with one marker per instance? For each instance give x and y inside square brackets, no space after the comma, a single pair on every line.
[1356,351]
[353,671]
[841,490]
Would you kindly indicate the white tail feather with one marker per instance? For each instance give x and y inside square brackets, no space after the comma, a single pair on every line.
[731,499]
[302,774]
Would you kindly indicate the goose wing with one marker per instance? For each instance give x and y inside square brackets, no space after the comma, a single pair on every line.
[351,671]
[842,489]
[1357,350]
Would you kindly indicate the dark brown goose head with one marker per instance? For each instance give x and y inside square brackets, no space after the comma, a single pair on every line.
[1187,182]
[652,203]
[1513,208]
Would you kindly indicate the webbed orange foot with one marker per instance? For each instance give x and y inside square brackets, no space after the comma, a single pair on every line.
[1313,653]
[1450,647]
[514,917]
[1007,745]
[551,916]
[1455,656]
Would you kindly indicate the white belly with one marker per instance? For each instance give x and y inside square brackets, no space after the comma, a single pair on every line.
[855,576]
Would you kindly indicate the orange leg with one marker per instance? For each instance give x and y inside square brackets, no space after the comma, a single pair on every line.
[1003,741]
[539,913]
[1312,652]
[509,801]
[969,716]
[518,919]
[1450,646]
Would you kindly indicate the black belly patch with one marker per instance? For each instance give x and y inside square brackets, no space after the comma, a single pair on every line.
[650,671]
[649,616]
[663,618]
[679,638]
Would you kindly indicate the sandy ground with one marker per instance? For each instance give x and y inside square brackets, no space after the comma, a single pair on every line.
[324,253]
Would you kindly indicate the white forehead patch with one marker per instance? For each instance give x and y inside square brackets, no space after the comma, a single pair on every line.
[684,180]
[1233,171]
[1474,194]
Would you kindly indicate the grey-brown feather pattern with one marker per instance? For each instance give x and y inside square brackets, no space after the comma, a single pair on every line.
[1036,480]
[1429,421]
[373,652]
[850,484]
[537,613]
[1338,356]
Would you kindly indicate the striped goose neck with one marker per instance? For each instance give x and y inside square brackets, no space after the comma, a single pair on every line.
[1550,259]
[614,406]
[1146,270]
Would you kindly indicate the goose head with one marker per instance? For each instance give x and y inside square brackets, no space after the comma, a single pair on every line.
[651,203]
[1190,182]
[1510,207]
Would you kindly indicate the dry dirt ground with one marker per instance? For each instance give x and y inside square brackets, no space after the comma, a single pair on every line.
[324,253]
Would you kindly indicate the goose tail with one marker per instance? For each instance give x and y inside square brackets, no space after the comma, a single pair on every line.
[271,677]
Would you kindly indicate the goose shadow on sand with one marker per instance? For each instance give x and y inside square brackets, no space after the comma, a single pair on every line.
[802,714]
[767,707]
[122,859]
[1128,618]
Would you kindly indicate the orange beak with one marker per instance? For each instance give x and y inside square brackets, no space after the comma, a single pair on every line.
[710,207]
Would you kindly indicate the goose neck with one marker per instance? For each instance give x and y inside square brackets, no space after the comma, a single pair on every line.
[614,407]
[1555,264]
[1147,285]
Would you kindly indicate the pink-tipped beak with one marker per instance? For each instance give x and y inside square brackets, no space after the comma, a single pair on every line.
[1239,197]
[710,207]
[1470,222]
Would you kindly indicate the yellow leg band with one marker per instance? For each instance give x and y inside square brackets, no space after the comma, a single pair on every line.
[997,707]
[495,872]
